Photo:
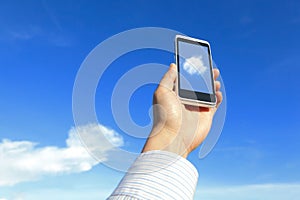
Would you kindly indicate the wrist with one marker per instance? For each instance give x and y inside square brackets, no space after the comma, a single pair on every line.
[166,140]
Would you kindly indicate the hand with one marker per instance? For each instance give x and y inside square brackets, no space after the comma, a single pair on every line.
[179,128]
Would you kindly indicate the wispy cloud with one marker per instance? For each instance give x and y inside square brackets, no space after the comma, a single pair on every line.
[246,20]
[276,191]
[15,197]
[23,161]
[53,17]
[14,36]
[21,35]
[77,193]
[27,33]
[194,65]
[34,33]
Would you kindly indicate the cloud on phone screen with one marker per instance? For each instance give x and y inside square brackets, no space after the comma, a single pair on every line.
[194,65]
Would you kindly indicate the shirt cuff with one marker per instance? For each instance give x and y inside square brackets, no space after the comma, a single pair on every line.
[158,175]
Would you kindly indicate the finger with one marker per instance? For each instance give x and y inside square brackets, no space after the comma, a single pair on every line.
[196,108]
[216,73]
[218,85]
[219,96]
[169,78]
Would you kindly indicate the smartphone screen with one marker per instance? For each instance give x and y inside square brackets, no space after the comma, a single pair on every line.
[195,69]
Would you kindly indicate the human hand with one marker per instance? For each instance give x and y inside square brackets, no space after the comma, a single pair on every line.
[177,127]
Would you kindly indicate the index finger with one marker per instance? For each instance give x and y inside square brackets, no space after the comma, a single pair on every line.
[216,73]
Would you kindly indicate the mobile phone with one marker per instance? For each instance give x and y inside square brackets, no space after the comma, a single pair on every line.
[195,83]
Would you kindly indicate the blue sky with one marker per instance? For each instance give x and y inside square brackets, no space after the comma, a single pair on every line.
[255,45]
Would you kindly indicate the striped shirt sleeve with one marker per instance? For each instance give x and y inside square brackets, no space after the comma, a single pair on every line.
[158,175]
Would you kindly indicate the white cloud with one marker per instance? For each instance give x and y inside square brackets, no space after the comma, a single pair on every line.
[23,161]
[194,65]
[77,193]
[15,197]
[276,191]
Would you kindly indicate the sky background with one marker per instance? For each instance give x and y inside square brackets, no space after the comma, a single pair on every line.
[43,43]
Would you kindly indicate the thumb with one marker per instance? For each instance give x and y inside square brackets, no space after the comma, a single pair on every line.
[169,78]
